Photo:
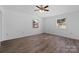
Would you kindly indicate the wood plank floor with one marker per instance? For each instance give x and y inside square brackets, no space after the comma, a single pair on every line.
[42,43]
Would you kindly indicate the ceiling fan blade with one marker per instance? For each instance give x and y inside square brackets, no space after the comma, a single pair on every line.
[46,6]
[46,10]
[38,7]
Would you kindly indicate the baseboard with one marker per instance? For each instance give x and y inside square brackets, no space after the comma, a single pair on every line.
[62,36]
[42,33]
[21,37]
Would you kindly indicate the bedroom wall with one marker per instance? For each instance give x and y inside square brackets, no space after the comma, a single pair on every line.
[19,25]
[72,25]
[0,26]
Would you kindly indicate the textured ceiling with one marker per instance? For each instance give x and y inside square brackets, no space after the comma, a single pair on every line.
[54,9]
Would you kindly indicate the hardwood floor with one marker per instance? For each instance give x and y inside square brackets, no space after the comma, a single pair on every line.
[42,43]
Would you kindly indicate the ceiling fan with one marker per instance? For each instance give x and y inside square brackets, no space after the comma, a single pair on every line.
[42,8]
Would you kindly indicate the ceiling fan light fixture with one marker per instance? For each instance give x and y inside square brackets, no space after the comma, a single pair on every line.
[41,11]
[42,8]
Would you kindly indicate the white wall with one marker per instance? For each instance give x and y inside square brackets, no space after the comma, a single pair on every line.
[0,26]
[72,23]
[19,25]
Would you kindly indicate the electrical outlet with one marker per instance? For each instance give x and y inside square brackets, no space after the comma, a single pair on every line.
[22,32]
[7,34]
[70,33]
